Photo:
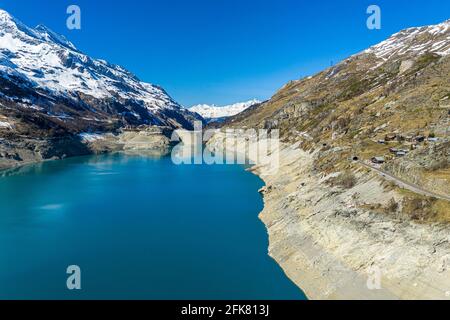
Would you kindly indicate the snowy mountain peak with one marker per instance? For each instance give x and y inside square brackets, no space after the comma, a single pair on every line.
[51,68]
[5,16]
[415,41]
[53,63]
[9,24]
[51,36]
[213,112]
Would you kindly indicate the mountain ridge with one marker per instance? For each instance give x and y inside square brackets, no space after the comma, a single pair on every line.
[214,112]
[45,68]
[363,171]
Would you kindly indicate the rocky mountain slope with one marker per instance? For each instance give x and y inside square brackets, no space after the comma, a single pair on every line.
[50,92]
[43,71]
[391,101]
[364,145]
[220,113]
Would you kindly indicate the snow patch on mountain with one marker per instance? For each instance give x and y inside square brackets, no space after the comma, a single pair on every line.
[6,125]
[218,112]
[415,41]
[91,137]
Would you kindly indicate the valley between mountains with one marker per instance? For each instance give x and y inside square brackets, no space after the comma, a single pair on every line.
[363,183]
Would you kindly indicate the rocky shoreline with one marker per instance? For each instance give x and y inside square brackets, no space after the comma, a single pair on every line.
[334,245]
[21,151]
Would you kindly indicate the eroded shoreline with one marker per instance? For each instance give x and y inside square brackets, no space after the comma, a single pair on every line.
[332,247]
[30,151]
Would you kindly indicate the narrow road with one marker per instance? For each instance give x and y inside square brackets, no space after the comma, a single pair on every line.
[405,184]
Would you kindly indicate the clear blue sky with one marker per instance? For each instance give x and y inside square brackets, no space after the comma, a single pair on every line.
[224,51]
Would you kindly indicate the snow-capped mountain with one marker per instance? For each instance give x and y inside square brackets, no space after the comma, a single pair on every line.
[42,70]
[398,85]
[390,61]
[213,112]
[415,41]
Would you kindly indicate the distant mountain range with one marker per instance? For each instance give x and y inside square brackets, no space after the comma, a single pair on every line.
[217,113]
[44,73]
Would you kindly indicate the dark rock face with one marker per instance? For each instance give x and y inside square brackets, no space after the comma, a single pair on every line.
[20,150]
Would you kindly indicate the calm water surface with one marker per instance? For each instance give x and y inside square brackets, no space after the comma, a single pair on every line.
[139,228]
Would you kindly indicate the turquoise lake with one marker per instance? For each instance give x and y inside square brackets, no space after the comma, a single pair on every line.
[139,228]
